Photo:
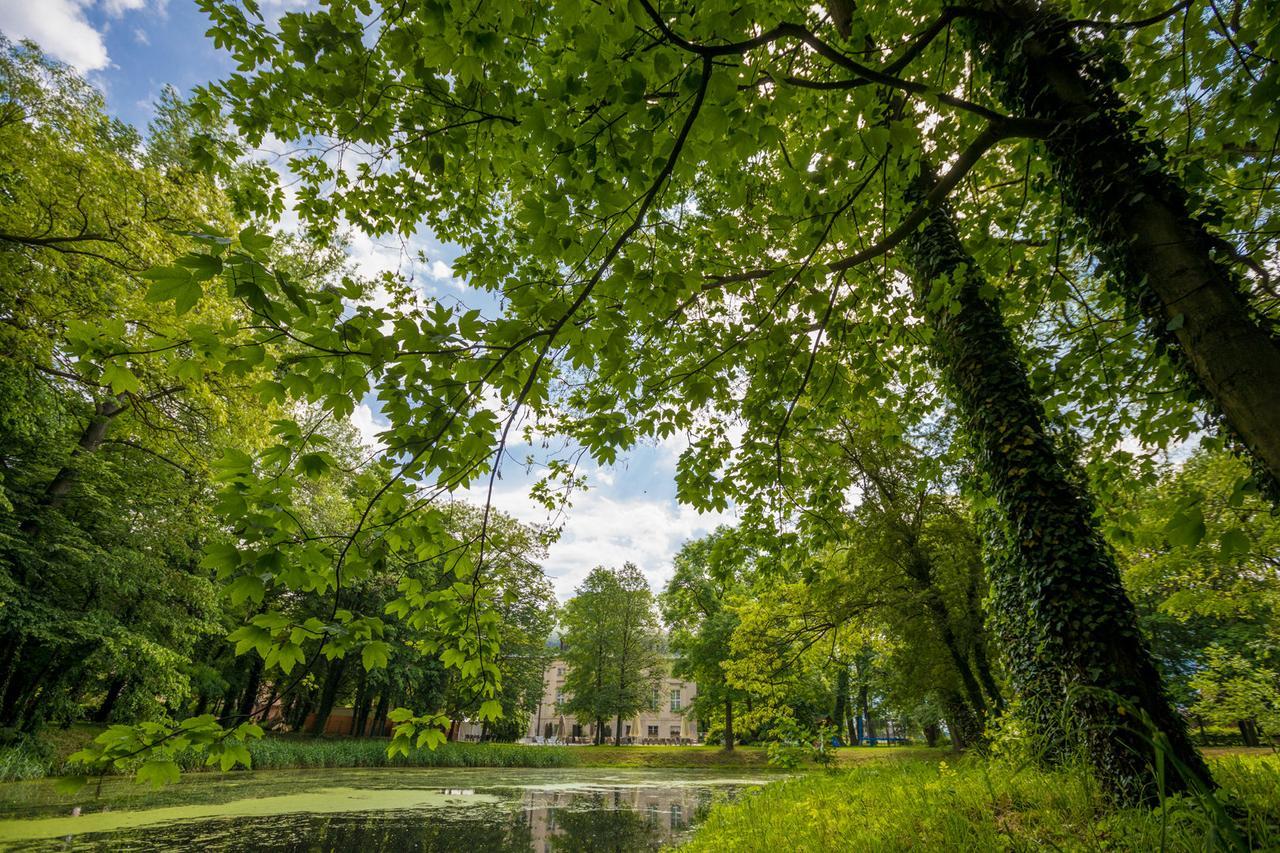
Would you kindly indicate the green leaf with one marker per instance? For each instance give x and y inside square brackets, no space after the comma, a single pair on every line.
[1186,528]
[158,772]
[120,379]
[374,654]
[246,588]
[1234,541]
[222,557]
[430,737]
[175,284]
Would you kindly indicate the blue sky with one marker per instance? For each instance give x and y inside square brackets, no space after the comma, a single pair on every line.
[132,48]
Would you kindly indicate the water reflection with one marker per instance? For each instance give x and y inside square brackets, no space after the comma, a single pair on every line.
[555,815]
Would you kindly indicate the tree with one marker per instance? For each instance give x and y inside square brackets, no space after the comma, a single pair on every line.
[612,646]
[695,608]
[1198,547]
[526,604]
[111,421]
[659,274]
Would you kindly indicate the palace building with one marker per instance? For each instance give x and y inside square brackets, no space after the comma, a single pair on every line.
[666,721]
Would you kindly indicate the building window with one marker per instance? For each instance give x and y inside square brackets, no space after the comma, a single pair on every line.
[675,698]
[560,671]
[653,731]
[675,733]
[559,697]
[577,730]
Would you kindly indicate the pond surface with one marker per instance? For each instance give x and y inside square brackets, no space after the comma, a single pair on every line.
[387,809]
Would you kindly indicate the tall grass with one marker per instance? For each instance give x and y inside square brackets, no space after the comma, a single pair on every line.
[979,805]
[19,762]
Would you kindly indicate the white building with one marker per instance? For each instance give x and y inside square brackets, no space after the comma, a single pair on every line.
[666,721]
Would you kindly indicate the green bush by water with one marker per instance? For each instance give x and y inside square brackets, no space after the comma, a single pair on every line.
[977,805]
[22,761]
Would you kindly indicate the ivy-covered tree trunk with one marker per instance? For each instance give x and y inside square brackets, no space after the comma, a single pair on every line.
[978,646]
[964,723]
[1066,585]
[1138,217]
[1035,683]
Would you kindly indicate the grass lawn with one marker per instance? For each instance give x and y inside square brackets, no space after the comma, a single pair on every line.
[714,756]
[968,804]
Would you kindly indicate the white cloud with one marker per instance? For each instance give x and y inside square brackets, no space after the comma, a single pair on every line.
[368,426]
[63,30]
[372,258]
[116,8]
[59,27]
[140,36]
[602,530]
[438,270]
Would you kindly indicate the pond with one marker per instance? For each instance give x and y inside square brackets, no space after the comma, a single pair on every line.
[434,809]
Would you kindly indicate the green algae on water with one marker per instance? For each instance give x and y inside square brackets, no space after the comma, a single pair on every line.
[321,801]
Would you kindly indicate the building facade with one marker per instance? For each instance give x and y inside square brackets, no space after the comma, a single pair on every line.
[667,720]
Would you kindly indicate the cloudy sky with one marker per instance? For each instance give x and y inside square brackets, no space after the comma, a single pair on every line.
[132,48]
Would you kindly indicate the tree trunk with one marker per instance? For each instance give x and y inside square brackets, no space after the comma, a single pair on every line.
[361,715]
[920,571]
[1138,217]
[864,706]
[1068,580]
[329,695]
[358,703]
[982,666]
[965,726]
[378,726]
[249,698]
[56,491]
[1033,680]
[728,724]
[1248,733]
[114,689]
[617,732]
[842,697]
